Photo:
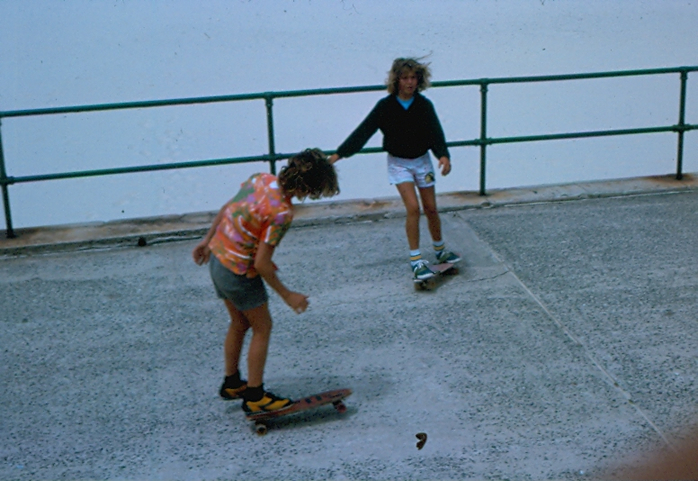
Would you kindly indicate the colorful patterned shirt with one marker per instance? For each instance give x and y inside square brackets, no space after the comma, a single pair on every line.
[260,212]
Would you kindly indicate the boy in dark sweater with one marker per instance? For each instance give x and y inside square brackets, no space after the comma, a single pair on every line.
[410,129]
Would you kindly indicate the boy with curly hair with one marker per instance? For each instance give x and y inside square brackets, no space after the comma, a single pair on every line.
[242,239]
[410,129]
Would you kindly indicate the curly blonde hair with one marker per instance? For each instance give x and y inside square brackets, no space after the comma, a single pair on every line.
[402,65]
[309,174]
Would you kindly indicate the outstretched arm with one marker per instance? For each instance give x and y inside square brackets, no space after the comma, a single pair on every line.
[358,138]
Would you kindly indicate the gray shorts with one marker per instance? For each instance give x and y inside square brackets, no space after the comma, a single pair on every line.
[245,293]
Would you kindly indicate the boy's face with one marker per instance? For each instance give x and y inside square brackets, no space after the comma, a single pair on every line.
[407,84]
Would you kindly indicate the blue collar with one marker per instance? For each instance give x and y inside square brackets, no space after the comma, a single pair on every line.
[405,103]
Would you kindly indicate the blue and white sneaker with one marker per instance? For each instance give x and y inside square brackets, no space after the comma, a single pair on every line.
[447,256]
[421,271]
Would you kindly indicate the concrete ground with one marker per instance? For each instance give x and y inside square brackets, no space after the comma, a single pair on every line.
[566,346]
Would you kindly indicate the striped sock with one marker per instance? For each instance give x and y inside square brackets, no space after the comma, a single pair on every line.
[415,256]
[439,248]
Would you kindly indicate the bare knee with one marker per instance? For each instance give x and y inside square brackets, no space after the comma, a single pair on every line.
[412,210]
[429,204]
[428,196]
[263,330]
[239,327]
[259,320]
[430,211]
[238,321]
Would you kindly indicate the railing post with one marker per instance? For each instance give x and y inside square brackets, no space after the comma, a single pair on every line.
[483,136]
[681,125]
[4,181]
[269,101]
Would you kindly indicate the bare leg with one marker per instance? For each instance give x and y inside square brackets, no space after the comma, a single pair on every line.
[409,198]
[259,320]
[428,196]
[234,339]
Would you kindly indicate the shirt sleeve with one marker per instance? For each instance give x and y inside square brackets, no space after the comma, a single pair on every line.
[276,227]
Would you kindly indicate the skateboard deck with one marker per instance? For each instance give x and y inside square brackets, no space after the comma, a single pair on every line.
[335,398]
[445,268]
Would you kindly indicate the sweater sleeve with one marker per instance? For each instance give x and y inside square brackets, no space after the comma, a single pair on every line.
[358,138]
[438,140]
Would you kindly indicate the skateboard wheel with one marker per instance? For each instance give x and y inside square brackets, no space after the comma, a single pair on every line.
[426,284]
[340,406]
[260,429]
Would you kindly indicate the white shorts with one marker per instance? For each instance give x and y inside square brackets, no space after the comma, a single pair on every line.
[419,170]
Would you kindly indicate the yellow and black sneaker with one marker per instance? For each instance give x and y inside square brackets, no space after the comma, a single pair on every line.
[233,387]
[267,403]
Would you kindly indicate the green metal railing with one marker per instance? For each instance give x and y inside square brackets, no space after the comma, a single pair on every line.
[483,141]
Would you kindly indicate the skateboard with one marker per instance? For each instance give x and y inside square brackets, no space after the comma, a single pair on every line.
[335,397]
[445,268]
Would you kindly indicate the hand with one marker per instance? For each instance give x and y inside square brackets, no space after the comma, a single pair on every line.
[201,253]
[297,301]
[333,158]
[445,165]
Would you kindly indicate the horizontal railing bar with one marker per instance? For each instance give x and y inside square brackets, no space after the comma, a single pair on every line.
[330,91]
[370,150]
[464,143]
[184,101]
[142,168]
[585,76]
[572,135]
[326,91]
[129,105]
[596,133]
[158,167]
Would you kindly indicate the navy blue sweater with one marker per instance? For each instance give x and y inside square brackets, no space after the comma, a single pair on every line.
[406,133]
